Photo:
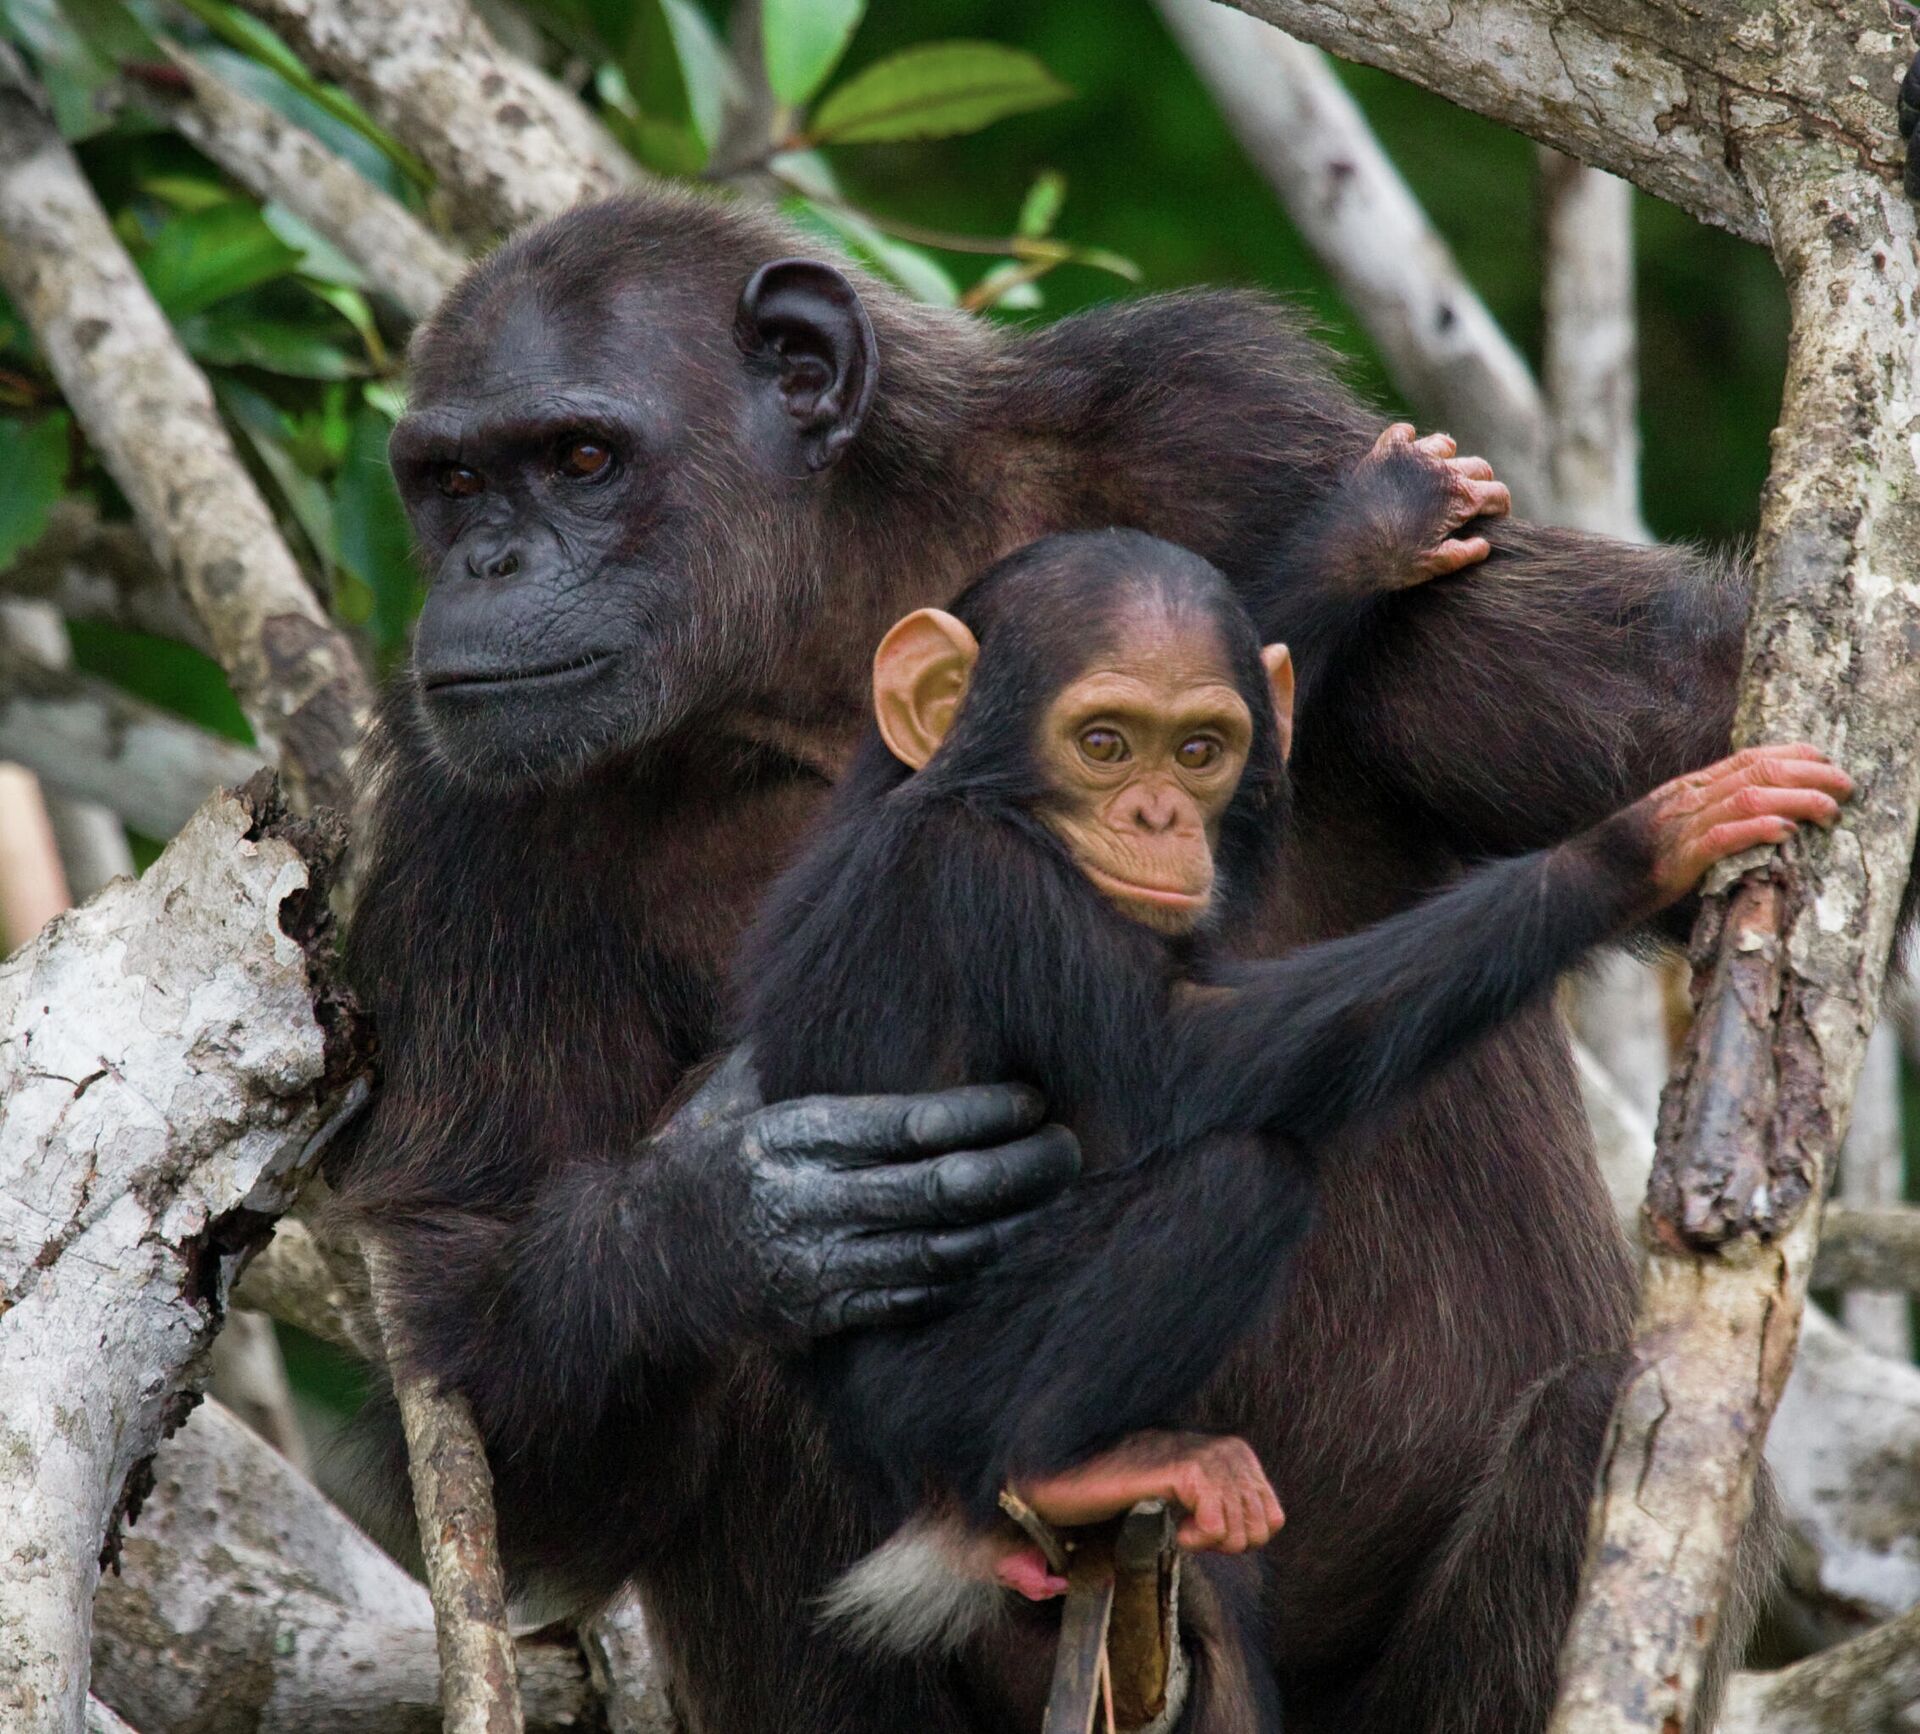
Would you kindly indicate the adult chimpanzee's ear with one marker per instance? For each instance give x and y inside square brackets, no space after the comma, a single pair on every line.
[809,319]
[919,677]
[1277,659]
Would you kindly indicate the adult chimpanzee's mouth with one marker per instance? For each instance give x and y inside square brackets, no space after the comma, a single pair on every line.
[461,681]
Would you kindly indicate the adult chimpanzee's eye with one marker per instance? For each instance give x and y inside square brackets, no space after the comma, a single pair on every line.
[458,482]
[1103,746]
[583,460]
[1198,752]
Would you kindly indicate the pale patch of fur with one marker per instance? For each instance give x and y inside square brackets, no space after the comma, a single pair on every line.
[927,1589]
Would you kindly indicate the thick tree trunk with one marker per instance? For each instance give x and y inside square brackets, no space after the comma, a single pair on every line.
[168,1055]
[1792,957]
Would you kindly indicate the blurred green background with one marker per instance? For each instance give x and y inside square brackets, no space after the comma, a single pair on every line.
[305,361]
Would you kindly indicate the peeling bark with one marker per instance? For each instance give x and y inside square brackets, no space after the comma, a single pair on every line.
[84,737]
[1309,140]
[1791,958]
[149,414]
[274,159]
[246,1600]
[1670,97]
[168,1055]
[507,144]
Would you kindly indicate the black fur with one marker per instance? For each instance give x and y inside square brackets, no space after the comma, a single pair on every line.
[940,933]
[545,931]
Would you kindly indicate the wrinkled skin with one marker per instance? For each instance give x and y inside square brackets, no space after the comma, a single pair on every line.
[858,1208]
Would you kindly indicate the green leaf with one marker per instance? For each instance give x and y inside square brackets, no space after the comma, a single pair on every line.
[712,78]
[111,27]
[802,41]
[75,75]
[935,91]
[187,192]
[242,337]
[205,256]
[1040,209]
[916,271]
[33,457]
[370,528]
[640,40]
[267,433]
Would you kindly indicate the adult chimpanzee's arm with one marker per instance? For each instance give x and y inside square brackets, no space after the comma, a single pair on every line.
[1512,705]
[636,1280]
[1335,1030]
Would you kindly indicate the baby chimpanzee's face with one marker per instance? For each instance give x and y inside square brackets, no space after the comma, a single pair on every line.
[1144,751]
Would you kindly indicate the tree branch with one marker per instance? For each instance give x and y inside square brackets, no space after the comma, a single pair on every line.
[1308,138]
[1871,1683]
[507,145]
[274,159]
[1792,983]
[90,570]
[459,1542]
[86,738]
[1873,1172]
[149,413]
[168,1055]
[1590,354]
[245,1599]
[1871,1247]
[1669,97]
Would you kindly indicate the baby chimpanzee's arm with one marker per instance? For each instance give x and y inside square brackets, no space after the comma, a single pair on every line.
[1312,1040]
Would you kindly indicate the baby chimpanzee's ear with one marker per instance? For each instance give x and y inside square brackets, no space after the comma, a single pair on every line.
[1278,662]
[919,677]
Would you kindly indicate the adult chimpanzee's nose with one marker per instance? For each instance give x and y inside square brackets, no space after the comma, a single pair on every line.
[493,560]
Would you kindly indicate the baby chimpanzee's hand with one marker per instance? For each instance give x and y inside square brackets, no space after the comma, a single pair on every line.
[1471,492]
[1218,1482]
[1756,796]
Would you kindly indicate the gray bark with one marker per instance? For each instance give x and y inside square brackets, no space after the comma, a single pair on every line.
[1793,955]
[1668,97]
[1873,1172]
[168,1055]
[84,737]
[508,145]
[245,1600]
[274,159]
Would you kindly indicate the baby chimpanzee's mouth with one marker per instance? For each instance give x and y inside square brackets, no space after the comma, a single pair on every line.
[1173,897]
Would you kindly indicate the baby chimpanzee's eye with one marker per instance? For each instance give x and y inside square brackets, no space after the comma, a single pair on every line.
[458,482]
[1103,746]
[1198,752]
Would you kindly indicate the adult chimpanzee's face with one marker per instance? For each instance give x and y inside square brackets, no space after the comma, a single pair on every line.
[586,488]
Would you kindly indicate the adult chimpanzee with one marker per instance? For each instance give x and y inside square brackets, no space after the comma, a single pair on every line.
[671,484]
[1075,793]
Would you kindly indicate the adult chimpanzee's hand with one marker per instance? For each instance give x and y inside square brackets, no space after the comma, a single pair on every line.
[870,1210]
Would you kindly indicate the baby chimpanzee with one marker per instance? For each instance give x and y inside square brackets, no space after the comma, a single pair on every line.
[1036,870]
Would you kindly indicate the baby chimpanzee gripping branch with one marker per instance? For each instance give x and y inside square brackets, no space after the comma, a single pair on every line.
[1038,869]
